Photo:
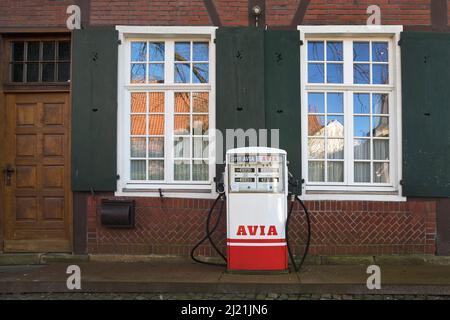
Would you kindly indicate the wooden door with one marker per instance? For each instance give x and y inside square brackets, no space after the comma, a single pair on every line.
[36,173]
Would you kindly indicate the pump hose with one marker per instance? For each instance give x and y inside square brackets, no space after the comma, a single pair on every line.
[308,239]
[210,232]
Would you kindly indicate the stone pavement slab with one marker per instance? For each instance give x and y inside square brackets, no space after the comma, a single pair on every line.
[172,276]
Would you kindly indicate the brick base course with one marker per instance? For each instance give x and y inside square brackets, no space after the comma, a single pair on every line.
[338,227]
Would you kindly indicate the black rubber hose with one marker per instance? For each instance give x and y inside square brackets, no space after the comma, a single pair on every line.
[208,233]
[291,256]
[308,240]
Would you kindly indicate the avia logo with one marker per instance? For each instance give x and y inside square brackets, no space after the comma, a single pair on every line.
[256,230]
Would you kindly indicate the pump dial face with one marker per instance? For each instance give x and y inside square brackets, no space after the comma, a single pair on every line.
[256,173]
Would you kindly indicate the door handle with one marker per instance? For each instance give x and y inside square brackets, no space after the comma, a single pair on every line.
[8,171]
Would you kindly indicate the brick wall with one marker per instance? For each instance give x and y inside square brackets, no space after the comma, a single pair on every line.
[33,13]
[175,226]
[193,12]
[338,227]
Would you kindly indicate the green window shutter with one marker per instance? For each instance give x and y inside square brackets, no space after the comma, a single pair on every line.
[282,92]
[239,81]
[426,114]
[94,109]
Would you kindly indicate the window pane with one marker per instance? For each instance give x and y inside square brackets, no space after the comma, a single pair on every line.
[315,51]
[201,51]
[63,71]
[335,51]
[137,147]
[315,73]
[335,126]
[381,149]
[48,51]
[335,103]
[182,147]
[33,51]
[138,51]
[200,125]
[380,74]
[201,147]
[361,126]
[362,172]
[182,72]
[138,102]
[380,103]
[360,51]
[157,51]
[182,102]
[361,73]
[182,51]
[200,73]
[156,101]
[156,73]
[138,125]
[380,126]
[381,172]
[182,125]
[361,149]
[156,125]
[316,102]
[335,73]
[137,170]
[138,73]
[316,148]
[316,125]
[32,72]
[335,171]
[18,51]
[380,52]
[182,170]
[64,50]
[335,149]
[155,170]
[361,103]
[156,147]
[316,171]
[17,72]
[200,102]
[48,72]
[200,170]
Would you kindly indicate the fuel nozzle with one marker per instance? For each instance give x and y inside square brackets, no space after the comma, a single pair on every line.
[294,184]
[220,186]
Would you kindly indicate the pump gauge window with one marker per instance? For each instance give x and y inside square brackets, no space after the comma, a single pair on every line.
[256,173]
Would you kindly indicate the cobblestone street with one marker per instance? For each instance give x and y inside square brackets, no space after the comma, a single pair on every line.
[215,296]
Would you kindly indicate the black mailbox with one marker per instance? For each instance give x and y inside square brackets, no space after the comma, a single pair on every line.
[117,213]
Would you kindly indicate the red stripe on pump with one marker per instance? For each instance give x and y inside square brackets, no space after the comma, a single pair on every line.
[256,240]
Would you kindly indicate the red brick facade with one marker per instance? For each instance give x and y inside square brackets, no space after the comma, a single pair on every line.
[175,12]
[175,225]
[338,227]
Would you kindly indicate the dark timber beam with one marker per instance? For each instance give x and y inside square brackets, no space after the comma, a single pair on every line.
[439,15]
[212,12]
[300,13]
[85,7]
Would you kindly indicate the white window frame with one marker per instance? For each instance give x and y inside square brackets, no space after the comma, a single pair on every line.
[355,191]
[169,188]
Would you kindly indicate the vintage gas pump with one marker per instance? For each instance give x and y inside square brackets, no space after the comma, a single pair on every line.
[255,189]
[256,195]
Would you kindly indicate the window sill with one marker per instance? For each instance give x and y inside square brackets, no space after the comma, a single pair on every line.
[352,195]
[199,191]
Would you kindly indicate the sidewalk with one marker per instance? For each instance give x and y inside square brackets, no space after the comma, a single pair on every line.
[178,275]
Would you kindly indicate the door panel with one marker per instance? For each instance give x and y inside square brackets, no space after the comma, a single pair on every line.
[37,186]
